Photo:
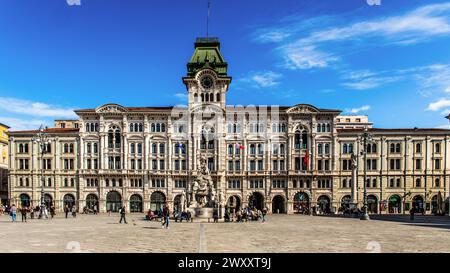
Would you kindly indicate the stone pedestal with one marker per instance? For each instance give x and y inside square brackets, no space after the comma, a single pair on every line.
[203,213]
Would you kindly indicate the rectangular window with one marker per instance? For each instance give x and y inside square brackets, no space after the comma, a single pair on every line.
[418,164]
[437,164]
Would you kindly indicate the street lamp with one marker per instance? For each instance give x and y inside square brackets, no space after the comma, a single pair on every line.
[42,140]
[365,138]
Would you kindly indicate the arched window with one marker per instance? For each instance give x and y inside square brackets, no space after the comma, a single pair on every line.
[203,97]
[110,138]
[437,182]
[230,149]
[153,127]
[418,148]
[319,149]
[397,148]
[369,148]
[350,148]
[282,149]
[154,151]
[158,127]
[66,148]
[87,127]
[418,183]
[92,127]
[161,148]
[211,97]
[323,127]
[141,127]
[392,148]
[132,148]
[163,127]
[344,148]
[131,127]
[139,148]
[374,148]
[327,148]
[118,139]
[252,149]
[328,127]
[319,128]
[344,183]
[195,97]
[218,97]
[438,148]
[136,127]
[260,149]
[71,148]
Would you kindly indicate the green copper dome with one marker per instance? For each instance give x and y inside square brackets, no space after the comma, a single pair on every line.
[207,55]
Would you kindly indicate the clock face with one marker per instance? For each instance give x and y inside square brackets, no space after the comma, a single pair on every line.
[207,82]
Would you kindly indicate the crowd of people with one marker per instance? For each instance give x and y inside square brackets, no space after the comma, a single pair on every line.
[36,212]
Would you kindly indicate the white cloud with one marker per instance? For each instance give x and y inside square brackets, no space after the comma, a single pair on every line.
[318,49]
[447,90]
[272,36]
[263,79]
[31,108]
[182,96]
[446,126]
[366,79]
[22,124]
[438,105]
[358,110]
[306,57]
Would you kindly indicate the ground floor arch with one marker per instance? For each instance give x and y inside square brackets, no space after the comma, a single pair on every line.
[278,204]
[323,204]
[346,201]
[157,201]
[256,200]
[113,201]
[395,204]
[136,204]
[234,203]
[372,204]
[417,204]
[25,200]
[48,200]
[92,201]
[301,203]
[69,200]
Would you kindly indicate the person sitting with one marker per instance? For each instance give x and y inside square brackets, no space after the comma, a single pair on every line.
[151,215]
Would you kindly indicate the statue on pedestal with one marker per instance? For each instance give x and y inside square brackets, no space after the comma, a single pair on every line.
[202,188]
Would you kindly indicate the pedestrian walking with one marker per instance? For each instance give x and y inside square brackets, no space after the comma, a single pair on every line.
[216,216]
[264,213]
[52,211]
[13,212]
[66,210]
[411,214]
[166,216]
[122,212]
[95,209]
[74,211]
[24,212]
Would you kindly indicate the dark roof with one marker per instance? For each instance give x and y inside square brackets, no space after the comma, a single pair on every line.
[395,130]
[48,131]
[4,125]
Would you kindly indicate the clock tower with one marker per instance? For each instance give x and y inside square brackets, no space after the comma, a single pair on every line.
[207,80]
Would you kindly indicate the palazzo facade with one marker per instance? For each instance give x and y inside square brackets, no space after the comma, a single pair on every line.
[290,159]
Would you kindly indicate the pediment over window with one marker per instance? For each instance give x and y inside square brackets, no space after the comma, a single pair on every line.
[303,109]
[111,108]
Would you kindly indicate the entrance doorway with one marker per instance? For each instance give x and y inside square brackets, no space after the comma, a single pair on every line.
[113,201]
[278,204]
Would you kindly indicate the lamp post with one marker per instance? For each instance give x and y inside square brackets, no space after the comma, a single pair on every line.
[42,140]
[366,138]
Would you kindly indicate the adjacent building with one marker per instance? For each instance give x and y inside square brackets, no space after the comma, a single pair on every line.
[291,159]
[4,163]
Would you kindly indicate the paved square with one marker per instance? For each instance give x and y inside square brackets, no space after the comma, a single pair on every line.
[282,233]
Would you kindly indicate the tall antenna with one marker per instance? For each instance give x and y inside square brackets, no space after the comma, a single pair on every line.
[207,18]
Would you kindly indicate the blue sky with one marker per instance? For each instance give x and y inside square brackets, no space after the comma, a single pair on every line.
[391,62]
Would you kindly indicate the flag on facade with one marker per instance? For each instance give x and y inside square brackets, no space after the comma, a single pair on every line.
[306,160]
[239,146]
